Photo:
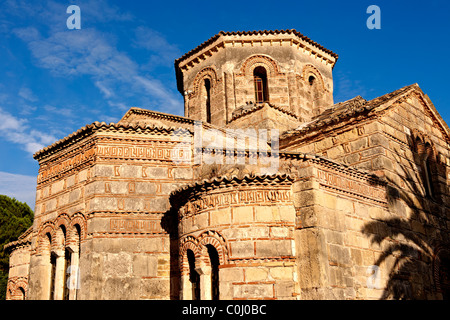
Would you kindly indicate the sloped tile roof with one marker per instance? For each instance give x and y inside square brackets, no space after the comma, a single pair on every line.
[255,32]
[348,109]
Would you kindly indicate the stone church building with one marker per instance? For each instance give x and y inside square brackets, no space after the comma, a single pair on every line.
[265,189]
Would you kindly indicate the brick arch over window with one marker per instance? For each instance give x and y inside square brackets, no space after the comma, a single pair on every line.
[210,251]
[51,228]
[206,73]
[77,220]
[17,289]
[255,61]
[217,241]
[61,232]
[188,243]
[45,237]
[311,71]
[426,156]
[198,247]
[422,143]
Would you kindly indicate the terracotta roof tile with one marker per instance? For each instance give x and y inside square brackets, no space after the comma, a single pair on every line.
[90,128]
[347,109]
[255,32]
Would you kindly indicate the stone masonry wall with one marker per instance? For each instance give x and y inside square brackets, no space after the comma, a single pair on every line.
[251,227]
[229,68]
[333,254]
[128,251]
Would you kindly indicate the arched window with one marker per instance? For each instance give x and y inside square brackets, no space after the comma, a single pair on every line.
[426,167]
[52,275]
[74,264]
[426,160]
[58,262]
[21,292]
[207,85]
[214,260]
[261,87]
[311,80]
[67,262]
[194,277]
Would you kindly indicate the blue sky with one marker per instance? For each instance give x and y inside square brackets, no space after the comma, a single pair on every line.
[54,80]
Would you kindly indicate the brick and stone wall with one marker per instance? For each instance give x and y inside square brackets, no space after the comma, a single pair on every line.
[299,78]
[250,222]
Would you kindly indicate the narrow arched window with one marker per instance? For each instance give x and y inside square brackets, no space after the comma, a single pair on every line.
[21,293]
[426,161]
[52,275]
[194,277]
[208,100]
[67,261]
[426,167]
[261,87]
[214,260]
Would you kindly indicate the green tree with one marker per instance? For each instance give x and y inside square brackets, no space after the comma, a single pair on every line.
[15,218]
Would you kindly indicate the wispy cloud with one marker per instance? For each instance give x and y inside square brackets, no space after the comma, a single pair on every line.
[161,51]
[346,88]
[95,53]
[27,94]
[112,77]
[17,130]
[18,186]
[91,52]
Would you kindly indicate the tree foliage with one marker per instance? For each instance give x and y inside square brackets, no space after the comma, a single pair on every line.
[15,218]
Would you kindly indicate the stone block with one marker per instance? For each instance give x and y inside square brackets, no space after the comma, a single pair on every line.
[287,213]
[231,274]
[130,171]
[327,200]
[282,273]
[117,264]
[145,265]
[335,152]
[145,187]
[253,291]
[305,198]
[279,232]
[256,274]
[243,214]
[121,288]
[200,221]
[284,289]
[242,249]
[378,139]
[351,158]
[324,144]
[356,256]
[263,213]
[159,204]
[273,248]
[154,289]
[246,232]
[359,144]
[183,173]
[383,163]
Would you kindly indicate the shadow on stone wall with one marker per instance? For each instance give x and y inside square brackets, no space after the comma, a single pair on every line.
[414,241]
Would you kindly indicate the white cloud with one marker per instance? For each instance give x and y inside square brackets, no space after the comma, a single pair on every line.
[107,92]
[17,131]
[91,52]
[18,186]
[346,88]
[163,53]
[27,94]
